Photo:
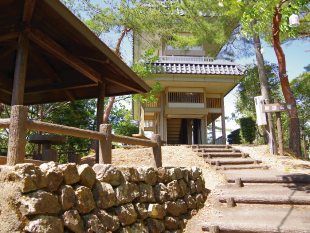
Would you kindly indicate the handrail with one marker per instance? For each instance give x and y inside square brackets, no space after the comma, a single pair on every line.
[134,141]
[65,130]
[4,123]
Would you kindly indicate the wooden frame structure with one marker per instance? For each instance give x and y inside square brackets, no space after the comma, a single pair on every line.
[48,55]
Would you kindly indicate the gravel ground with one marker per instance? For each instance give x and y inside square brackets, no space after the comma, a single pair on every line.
[184,157]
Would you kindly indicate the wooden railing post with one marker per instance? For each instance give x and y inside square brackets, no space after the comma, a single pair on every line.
[105,145]
[17,136]
[157,149]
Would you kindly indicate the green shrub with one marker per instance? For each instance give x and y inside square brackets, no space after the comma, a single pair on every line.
[234,137]
[248,129]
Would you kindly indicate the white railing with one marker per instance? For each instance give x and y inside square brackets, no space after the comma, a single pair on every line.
[191,59]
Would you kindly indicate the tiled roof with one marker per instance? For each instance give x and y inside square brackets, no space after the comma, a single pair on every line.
[200,68]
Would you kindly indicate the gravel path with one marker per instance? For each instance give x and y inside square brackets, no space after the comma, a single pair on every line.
[184,157]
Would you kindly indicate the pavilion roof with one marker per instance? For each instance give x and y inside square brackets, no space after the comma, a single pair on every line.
[66,61]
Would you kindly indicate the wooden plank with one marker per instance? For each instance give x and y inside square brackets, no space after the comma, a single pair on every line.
[49,71]
[278,107]
[20,69]
[127,84]
[61,53]
[57,86]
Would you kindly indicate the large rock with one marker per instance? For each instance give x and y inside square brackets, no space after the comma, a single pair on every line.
[146,193]
[142,210]
[130,173]
[72,220]
[46,224]
[139,227]
[199,184]
[176,208]
[192,187]
[173,190]
[171,223]
[156,211]
[126,214]
[155,225]
[109,174]
[69,173]
[126,192]
[190,201]
[194,173]
[28,177]
[93,224]
[87,175]
[175,173]
[147,174]
[53,175]
[162,175]
[108,219]
[183,187]
[199,200]
[161,193]
[104,195]
[39,202]
[66,197]
[185,174]
[84,201]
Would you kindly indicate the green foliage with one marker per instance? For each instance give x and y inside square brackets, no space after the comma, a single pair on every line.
[248,129]
[300,86]
[234,137]
[249,87]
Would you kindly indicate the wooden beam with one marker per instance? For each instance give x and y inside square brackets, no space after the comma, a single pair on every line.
[28,10]
[11,31]
[49,71]
[61,53]
[57,87]
[125,83]
[6,52]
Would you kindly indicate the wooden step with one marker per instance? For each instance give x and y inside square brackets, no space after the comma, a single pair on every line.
[219,162]
[204,150]
[210,146]
[222,155]
[240,167]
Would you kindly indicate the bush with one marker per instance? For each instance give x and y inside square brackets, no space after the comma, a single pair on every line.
[248,129]
[234,137]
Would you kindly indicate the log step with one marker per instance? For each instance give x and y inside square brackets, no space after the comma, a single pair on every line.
[216,150]
[241,167]
[276,200]
[218,155]
[211,146]
[219,162]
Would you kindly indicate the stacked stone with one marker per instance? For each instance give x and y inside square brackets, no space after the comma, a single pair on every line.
[73,198]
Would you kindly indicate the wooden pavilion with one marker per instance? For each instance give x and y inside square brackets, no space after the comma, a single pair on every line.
[48,55]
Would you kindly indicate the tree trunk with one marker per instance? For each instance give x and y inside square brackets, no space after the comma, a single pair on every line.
[264,86]
[108,109]
[294,141]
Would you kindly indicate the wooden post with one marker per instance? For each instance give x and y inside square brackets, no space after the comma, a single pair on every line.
[17,136]
[223,120]
[105,151]
[20,69]
[157,150]
[50,155]
[100,112]
[213,131]
[280,133]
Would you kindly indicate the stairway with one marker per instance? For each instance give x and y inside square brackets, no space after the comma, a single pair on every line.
[173,130]
[256,199]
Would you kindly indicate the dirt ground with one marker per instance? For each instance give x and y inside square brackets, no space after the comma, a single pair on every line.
[184,157]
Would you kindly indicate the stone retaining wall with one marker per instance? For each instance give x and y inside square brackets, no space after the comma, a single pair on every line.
[71,198]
